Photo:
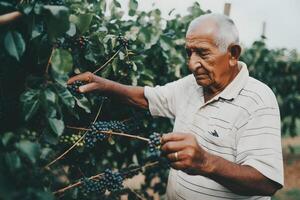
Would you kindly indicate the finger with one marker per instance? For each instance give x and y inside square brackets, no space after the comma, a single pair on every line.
[178,165]
[172,137]
[173,146]
[87,77]
[173,158]
[88,87]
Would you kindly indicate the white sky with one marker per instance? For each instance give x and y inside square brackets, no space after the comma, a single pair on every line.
[282,17]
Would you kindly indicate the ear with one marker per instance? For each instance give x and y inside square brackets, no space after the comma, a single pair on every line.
[234,53]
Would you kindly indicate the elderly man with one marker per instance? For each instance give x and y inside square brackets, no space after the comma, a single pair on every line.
[226,141]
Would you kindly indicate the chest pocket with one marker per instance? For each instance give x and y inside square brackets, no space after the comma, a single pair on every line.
[220,132]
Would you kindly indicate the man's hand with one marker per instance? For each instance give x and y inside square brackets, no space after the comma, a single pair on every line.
[185,154]
[133,95]
[92,81]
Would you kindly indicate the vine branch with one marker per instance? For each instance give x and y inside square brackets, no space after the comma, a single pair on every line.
[106,63]
[49,61]
[74,145]
[97,176]
[111,133]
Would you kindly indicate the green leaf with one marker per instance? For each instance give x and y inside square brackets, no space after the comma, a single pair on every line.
[82,21]
[14,44]
[72,30]
[50,95]
[7,137]
[65,95]
[31,103]
[133,4]
[165,43]
[13,161]
[56,125]
[29,149]
[42,195]
[84,103]
[57,19]
[61,61]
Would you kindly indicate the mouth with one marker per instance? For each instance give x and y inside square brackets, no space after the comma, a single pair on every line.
[200,76]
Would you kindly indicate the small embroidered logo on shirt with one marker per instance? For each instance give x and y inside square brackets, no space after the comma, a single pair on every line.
[213,133]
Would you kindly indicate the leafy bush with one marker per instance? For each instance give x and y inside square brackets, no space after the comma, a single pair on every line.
[54,40]
[280,70]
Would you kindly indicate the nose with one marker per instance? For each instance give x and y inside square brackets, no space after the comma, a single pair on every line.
[194,62]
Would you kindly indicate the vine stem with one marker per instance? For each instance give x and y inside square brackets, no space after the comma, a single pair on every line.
[111,133]
[67,151]
[49,61]
[9,17]
[97,176]
[74,145]
[100,68]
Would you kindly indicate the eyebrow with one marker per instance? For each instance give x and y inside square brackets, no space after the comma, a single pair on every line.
[197,49]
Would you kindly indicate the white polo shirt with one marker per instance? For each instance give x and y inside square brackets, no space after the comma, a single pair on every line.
[240,124]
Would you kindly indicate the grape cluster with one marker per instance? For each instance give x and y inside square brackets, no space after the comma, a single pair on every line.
[112,181]
[93,136]
[116,126]
[123,41]
[73,88]
[154,143]
[81,42]
[89,186]
[71,139]
[74,43]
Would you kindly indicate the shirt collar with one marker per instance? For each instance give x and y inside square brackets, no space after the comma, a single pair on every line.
[236,85]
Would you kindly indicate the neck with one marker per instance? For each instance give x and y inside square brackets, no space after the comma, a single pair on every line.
[211,91]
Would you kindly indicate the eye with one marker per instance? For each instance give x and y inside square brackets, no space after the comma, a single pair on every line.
[188,52]
[205,55]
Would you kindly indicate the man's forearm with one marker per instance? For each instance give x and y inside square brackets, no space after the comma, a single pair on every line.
[241,179]
[133,95]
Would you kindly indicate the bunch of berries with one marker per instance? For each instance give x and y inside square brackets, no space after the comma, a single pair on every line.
[89,186]
[111,181]
[74,88]
[71,139]
[123,41]
[94,135]
[154,144]
[74,43]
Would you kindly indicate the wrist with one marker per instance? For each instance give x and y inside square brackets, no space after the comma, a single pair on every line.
[208,165]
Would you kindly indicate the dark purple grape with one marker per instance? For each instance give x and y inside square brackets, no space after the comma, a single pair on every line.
[74,88]
[154,144]
[123,41]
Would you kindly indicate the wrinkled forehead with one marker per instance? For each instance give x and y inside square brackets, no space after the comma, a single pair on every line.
[201,32]
[202,27]
[200,40]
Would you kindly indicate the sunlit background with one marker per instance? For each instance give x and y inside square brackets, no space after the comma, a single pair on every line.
[280,16]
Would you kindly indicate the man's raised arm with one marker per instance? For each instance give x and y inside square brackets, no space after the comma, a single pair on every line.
[133,95]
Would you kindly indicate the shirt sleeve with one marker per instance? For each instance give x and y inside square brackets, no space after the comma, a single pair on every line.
[162,99]
[259,143]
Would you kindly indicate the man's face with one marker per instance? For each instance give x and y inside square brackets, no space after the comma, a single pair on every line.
[209,65]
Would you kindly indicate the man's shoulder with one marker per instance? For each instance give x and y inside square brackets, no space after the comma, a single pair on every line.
[187,81]
[260,90]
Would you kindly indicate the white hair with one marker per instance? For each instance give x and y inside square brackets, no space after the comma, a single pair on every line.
[226,32]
